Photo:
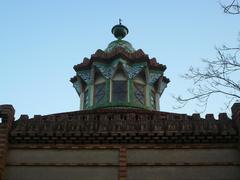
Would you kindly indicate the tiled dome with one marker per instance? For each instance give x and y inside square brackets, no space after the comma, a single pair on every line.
[120,43]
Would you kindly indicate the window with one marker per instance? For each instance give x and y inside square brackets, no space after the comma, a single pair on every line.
[99,93]
[86,99]
[119,91]
[139,93]
[153,99]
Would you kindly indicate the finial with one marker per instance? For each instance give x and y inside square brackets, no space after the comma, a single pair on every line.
[120,31]
[120,21]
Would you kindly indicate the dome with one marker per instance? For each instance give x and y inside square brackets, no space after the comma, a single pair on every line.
[120,43]
[119,77]
[120,31]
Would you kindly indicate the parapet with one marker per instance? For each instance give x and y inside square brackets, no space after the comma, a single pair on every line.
[123,126]
[7,112]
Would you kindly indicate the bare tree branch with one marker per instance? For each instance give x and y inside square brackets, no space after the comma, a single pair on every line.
[220,76]
[231,8]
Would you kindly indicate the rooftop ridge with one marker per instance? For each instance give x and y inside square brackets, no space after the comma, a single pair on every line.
[118,52]
[124,126]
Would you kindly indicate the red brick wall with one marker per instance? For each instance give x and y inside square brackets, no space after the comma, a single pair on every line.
[7,118]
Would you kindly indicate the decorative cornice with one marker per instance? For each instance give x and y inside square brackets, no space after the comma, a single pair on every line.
[127,126]
[119,52]
[73,79]
[128,146]
[85,64]
[165,79]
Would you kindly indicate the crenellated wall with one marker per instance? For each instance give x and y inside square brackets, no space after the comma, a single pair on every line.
[124,144]
[7,118]
[124,126]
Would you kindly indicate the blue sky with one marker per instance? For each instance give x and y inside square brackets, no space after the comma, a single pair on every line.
[40,41]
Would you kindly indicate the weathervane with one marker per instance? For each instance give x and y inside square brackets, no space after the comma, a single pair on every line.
[120,21]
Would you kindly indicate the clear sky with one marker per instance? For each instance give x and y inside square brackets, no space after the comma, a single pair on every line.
[40,41]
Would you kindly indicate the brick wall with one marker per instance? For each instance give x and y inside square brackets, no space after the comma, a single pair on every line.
[123,162]
[124,144]
[7,118]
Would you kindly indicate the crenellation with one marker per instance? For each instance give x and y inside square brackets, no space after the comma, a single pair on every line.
[209,117]
[236,115]
[37,117]
[24,117]
[196,116]
[7,112]
[155,128]
[223,116]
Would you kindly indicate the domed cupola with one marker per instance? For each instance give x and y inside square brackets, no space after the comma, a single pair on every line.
[119,76]
[120,31]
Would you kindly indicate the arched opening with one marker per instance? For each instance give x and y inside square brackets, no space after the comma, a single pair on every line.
[99,88]
[153,99]
[139,89]
[119,87]
[84,94]
[86,99]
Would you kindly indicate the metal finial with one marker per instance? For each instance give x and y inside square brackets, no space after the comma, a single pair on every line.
[119,30]
[120,21]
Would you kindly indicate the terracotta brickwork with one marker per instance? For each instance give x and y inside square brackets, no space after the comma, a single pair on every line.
[123,126]
[119,52]
[122,163]
[7,118]
[130,132]
[133,159]
[236,115]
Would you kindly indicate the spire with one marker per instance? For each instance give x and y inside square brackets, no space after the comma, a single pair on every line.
[119,30]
